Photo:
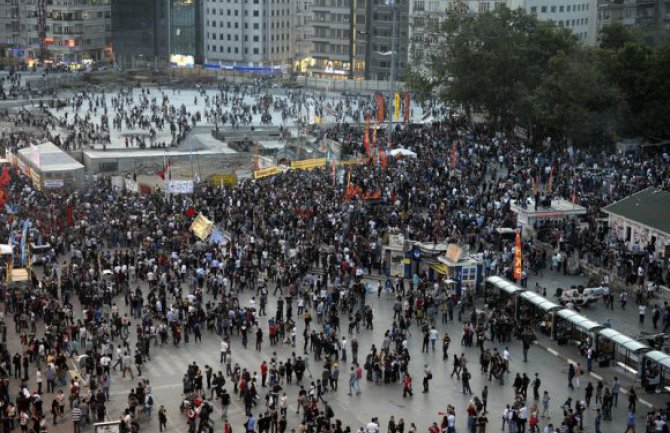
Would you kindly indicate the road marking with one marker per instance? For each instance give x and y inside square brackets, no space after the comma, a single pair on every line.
[552,351]
[597,376]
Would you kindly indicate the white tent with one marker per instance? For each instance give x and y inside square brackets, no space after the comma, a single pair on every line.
[402,152]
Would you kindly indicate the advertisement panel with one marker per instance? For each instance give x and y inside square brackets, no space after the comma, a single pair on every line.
[179,186]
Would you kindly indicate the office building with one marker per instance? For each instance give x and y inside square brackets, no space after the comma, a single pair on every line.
[252,33]
[302,34]
[186,45]
[635,13]
[140,31]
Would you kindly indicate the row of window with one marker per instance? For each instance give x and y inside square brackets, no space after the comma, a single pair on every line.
[560,9]
[255,38]
[252,1]
[255,12]
[255,50]
[255,26]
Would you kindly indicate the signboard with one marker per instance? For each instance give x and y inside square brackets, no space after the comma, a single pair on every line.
[398,240]
[117,183]
[131,185]
[224,179]
[179,186]
[182,61]
[454,253]
[265,172]
[308,164]
[35,155]
[53,183]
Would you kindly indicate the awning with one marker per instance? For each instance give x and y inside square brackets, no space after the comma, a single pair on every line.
[440,268]
[540,301]
[659,357]
[504,285]
[579,320]
[623,340]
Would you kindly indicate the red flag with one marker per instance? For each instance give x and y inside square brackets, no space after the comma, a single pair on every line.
[5,177]
[383,159]
[551,178]
[454,155]
[68,213]
[366,137]
[394,195]
[161,173]
[190,211]
[406,108]
[380,108]
[574,191]
[518,268]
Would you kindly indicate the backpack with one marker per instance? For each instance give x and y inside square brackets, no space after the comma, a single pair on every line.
[150,401]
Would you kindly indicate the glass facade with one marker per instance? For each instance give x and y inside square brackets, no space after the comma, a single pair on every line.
[139,28]
[186,28]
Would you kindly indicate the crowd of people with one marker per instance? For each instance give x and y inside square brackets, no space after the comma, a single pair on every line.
[126,272]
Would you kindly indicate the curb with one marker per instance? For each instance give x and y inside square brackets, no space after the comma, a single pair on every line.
[564,358]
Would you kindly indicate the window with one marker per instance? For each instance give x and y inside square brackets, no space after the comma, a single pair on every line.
[255,13]
[533,9]
[568,8]
[418,6]
[543,9]
[553,9]
[255,50]
[561,8]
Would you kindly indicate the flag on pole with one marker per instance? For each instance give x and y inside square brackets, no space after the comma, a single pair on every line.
[380,108]
[162,171]
[406,108]
[454,155]
[374,134]
[551,178]
[396,107]
[518,268]
[366,137]
[333,173]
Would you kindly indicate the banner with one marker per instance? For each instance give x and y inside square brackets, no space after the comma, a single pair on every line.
[518,268]
[406,108]
[202,227]
[349,162]
[179,186]
[307,164]
[131,185]
[311,114]
[454,155]
[117,183]
[396,108]
[380,108]
[265,172]
[224,179]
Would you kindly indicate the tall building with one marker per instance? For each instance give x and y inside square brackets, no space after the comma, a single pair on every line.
[640,13]
[140,30]
[339,38]
[302,34]
[387,36]
[185,42]
[425,15]
[72,32]
[247,32]
[9,24]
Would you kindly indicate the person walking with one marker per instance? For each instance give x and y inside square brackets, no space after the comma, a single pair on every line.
[427,376]
[162,418]
[353,382]
[76,418]
[546,399]
[616,387]
[630,422]
[597,421]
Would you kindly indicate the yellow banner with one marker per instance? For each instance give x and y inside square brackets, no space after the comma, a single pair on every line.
[396,108]
[265,172]
[349,162]
[308,163]
[202,227]
[224,179]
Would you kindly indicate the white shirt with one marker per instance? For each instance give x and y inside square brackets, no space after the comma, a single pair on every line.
[224,346]
[372,428]
[506,355]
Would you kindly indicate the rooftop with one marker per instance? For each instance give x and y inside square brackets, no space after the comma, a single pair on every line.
[51,158]
[650,207]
